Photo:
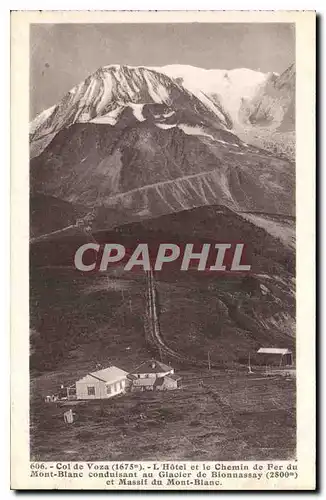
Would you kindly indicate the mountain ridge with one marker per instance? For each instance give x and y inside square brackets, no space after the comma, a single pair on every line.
[226,87]
[107,92]
[274,103]
[94,165]
[135,142]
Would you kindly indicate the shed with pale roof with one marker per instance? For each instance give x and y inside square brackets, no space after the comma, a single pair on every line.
[276,355]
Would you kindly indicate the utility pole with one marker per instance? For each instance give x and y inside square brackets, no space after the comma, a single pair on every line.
[249,366]
[130,304]
[161,356]
[123,316]
[209,361]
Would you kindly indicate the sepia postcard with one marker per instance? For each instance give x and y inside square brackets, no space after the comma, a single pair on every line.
[163,245]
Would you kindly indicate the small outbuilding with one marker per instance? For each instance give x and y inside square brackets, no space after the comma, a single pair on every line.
[169,382]
[102,384]
[275,356]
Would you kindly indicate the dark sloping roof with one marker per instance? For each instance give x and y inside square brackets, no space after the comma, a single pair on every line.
[152,366]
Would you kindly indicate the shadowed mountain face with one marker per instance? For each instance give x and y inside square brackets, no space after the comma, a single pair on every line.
[274,103]
[264,252]
[146,171]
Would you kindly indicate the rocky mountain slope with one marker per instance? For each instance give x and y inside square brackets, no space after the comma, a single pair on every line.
[273,105]
[261,106]
[152,171]
[226,96]
[105,95]
[136,143]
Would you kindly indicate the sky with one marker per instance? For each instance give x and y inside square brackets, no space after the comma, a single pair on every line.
[62,55]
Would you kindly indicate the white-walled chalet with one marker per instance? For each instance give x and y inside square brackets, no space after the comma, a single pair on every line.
[102,384]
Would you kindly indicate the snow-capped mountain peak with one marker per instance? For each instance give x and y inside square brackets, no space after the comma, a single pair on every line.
[224,87]
[105,95]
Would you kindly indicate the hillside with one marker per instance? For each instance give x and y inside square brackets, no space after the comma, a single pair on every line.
[194,307]
[141,170]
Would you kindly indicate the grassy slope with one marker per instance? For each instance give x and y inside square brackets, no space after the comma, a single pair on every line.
[229,417]
[80,320]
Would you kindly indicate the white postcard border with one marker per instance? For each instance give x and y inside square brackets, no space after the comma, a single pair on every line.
[305,202]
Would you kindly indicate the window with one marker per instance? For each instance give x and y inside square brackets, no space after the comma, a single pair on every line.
[90,390]
[108,389]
